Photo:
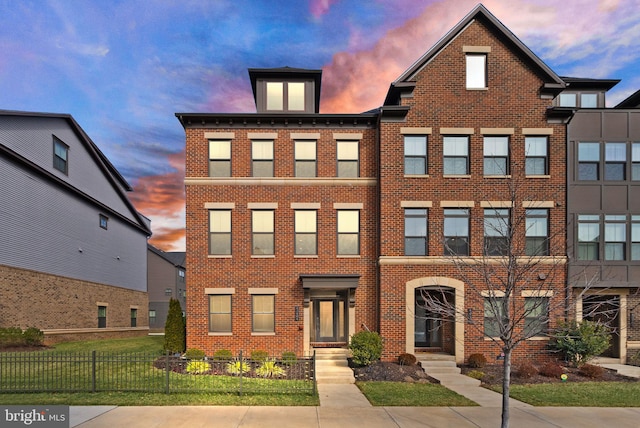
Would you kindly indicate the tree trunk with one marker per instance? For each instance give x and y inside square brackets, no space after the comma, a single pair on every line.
[506,383]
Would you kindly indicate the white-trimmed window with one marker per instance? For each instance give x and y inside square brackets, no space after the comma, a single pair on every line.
[262,158]
[536,320]
[635,237]
[456,231]
[588,237]
[220,232]
[262,227]
[615,237]
[285,96]
[615,161]
[588,161]
[496,231]
[219,158]
[102,316]
[306,236]
[493,315]
[537,232]
[476,66]
[305,158]
[60,156]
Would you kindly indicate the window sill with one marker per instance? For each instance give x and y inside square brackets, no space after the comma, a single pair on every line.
[457,176]
[497,176]
[348,256]
[416,176]
[214,256]
[220,334]
[272,333]
[477,89]
[537,176]
[310,256]
[538,338]
[263,256]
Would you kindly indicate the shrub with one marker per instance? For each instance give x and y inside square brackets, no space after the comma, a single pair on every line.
[634,360]
[526,370]
[289,358]
[194,354]
[174,329]
[476,374]
[477,361]
[551,370]
[407,359]
[270,369]
[580,342]
[198,367]
[366,347]
[33,336]
[11,336]
[259,356]
[237,367]
[222,355]
[592,371]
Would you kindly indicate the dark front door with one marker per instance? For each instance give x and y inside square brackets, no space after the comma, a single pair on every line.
[428,325]
[329,320]
[605,310]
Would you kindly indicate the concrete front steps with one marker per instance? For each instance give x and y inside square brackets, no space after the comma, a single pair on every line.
[614,364]
[443,368]
[332,366]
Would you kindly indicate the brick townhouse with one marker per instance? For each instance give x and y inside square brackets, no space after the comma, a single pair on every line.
[304,228]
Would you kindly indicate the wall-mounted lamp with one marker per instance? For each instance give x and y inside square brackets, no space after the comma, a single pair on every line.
[470,316]
[79,250]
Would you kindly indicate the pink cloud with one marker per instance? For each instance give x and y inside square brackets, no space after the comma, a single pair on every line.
[320,7]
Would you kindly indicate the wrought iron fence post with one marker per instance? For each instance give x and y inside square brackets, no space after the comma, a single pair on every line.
[241,370]
[167,370]
[313,373]
[93,371]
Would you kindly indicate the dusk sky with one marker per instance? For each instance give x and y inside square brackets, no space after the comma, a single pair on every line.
[123,68]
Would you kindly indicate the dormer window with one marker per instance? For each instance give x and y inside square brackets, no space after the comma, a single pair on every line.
[286,90]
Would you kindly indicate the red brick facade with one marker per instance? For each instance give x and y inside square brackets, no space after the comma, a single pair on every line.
[437,103]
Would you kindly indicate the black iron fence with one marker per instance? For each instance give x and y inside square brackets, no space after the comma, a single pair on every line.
[100,371]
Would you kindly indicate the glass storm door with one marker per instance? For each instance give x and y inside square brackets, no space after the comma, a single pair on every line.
[329,320]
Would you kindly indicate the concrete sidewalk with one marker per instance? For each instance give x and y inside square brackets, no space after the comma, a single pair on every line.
[329,417]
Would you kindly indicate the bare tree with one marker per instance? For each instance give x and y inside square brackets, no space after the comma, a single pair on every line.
[519,280]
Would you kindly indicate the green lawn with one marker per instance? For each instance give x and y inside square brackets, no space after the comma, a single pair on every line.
[411,394]
[259,391]
[579,394]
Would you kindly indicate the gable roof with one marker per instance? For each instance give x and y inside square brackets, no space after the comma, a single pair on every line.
[111,173]
[176,258]
[632,101]
[554,83]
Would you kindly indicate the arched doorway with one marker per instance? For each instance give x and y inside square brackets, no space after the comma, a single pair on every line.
[428,331]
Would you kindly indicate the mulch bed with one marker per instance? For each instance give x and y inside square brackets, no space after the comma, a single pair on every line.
[391,372]
[493,376]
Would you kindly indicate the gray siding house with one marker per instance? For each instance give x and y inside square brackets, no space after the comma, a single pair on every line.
[603,209]
[74,254]
[166,280]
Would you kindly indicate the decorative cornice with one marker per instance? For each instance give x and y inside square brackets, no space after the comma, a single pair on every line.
[471,260]
[278,181]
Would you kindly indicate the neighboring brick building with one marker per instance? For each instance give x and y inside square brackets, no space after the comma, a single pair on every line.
[304,228]
[73,261]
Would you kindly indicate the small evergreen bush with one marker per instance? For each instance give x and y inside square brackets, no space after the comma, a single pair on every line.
[526,370]
[174,329]
[33,336]
[270,369]
[198,367]
[580,342]
[366,347]
[194,354]
[407,359]
[259,356]
[222,355]
[592,371]
[477,361]
[289,358]
[551,369]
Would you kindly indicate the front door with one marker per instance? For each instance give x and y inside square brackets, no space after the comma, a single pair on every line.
[428,325]
[329,320]
[605,310]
